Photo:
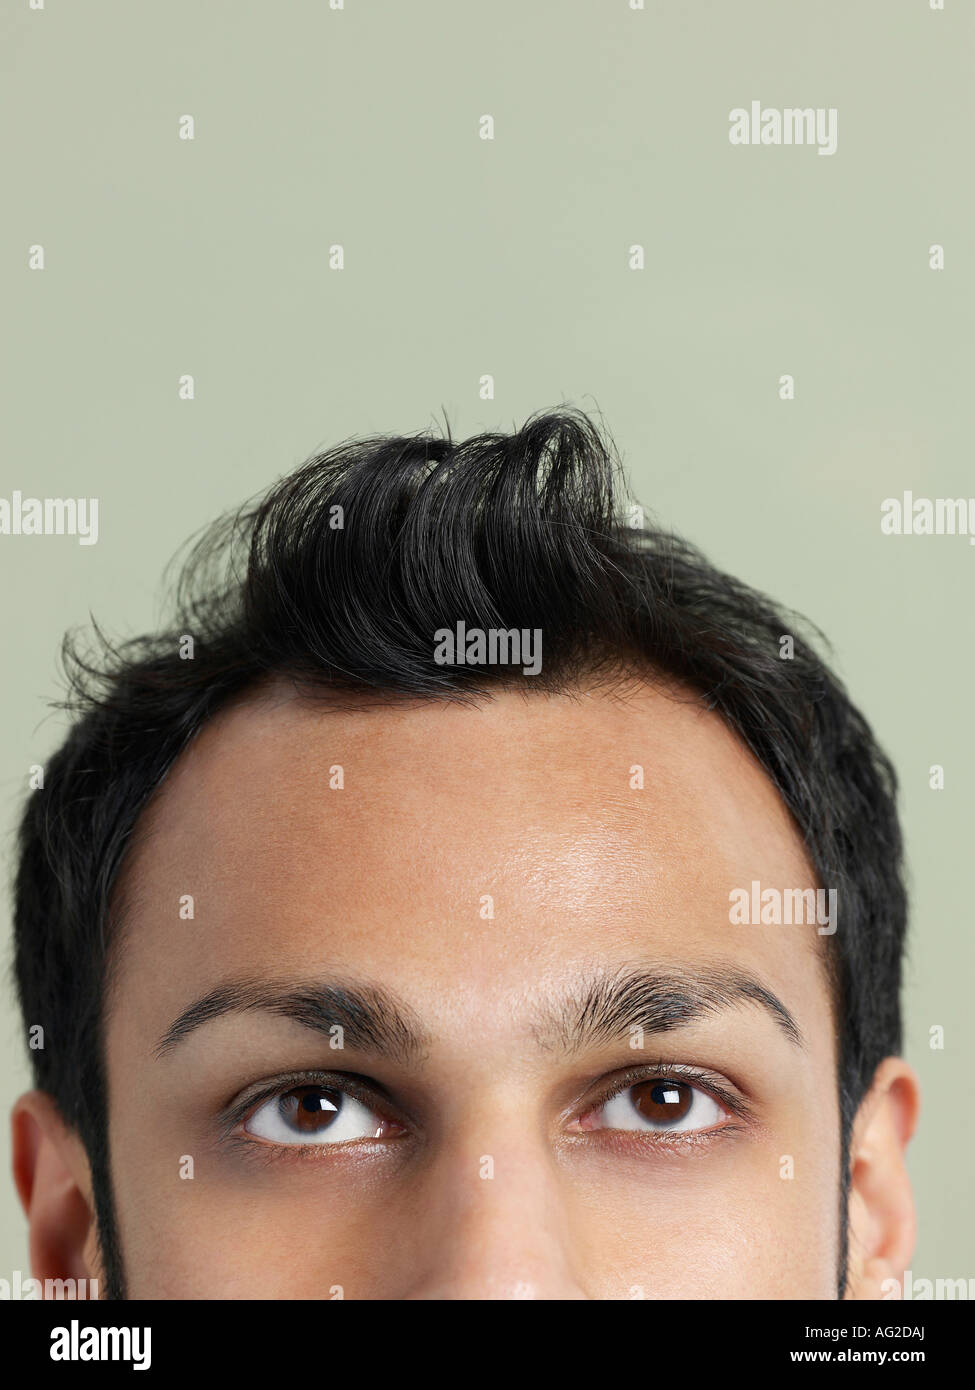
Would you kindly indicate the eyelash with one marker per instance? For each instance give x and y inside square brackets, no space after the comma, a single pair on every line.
[670,1141]
[359,1088]
[364,1091]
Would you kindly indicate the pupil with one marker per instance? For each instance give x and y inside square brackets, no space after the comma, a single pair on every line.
[310,1109]
[662,1101]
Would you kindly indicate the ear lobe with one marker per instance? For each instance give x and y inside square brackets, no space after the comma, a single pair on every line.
[51,1173]
[881,1209]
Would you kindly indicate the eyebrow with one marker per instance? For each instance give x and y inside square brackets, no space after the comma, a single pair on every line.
[371,1020]
[600,1010]
[612,1005]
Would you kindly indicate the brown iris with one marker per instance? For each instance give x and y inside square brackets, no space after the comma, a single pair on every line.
[310,1109]
[662,1102]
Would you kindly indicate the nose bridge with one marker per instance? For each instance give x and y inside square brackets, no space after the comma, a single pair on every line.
[493,1224]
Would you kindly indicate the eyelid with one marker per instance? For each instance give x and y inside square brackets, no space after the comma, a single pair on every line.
[712,1083]
[371,1094]
[349,1083]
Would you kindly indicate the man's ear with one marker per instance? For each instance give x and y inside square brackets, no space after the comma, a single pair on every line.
[53,1179]
[881,1209]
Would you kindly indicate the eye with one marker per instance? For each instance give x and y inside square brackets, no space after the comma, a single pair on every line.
[313,1114]
[657,1104]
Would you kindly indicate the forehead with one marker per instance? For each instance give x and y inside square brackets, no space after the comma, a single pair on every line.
[476,848]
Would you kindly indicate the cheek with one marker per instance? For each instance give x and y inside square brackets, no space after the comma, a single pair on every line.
[220,1235]
[730,1224]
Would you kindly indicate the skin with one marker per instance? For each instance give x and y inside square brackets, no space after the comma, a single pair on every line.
[499,1170]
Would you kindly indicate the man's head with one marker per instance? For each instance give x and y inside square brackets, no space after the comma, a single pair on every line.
[366,959]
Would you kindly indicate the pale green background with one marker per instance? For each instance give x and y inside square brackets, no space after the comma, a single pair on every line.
[465,257]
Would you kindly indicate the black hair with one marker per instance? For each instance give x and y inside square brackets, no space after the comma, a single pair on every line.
[339,579]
